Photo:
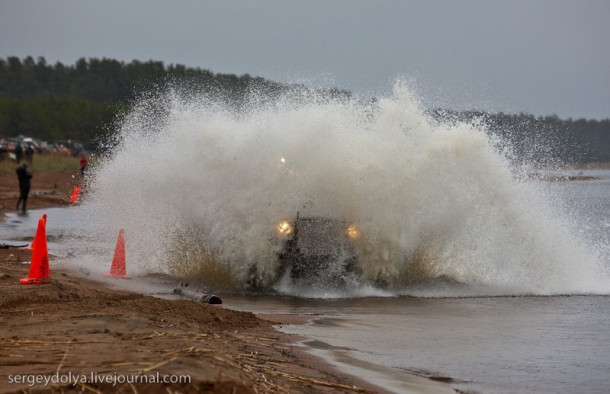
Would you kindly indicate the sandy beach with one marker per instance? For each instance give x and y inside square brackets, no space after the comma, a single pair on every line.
[76,335]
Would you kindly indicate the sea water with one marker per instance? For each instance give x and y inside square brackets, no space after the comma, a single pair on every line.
[499,344]
[469,268]
[557,344]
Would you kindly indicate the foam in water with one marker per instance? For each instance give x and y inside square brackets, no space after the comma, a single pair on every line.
[199,190]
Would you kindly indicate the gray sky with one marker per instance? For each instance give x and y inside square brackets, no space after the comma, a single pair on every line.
[538,56]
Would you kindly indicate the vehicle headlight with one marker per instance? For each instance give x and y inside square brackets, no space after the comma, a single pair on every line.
[352,232]
[284,228]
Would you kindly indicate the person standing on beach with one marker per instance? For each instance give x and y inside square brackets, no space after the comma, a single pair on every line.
[29,154]
[24,177]
[83,166]
[18,152]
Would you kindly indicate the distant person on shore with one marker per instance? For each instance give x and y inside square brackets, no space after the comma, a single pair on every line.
[24,177]
[83,166]
[18,152]
[29,154]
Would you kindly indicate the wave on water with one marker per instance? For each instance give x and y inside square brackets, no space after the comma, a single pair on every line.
[199,189]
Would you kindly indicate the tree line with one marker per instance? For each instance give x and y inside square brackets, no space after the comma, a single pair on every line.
[541,139]
[82,101]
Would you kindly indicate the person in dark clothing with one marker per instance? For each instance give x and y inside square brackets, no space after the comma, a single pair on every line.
[29,154]
[24,177]
[18,152]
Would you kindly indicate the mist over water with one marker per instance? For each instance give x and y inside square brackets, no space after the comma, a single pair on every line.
[199,189]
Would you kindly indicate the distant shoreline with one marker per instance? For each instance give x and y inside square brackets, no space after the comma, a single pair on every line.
[602,165]
[562,178]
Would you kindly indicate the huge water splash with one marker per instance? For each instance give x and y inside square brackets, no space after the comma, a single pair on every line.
[199,189]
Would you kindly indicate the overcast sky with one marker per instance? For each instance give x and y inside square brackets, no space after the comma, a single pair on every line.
[537,56]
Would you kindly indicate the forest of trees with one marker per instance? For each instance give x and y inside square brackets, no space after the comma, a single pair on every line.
[81,101]
[543,139]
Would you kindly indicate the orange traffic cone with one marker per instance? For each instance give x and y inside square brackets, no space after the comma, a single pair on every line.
[39,267]
[118,270]
[75,194]
[33,245]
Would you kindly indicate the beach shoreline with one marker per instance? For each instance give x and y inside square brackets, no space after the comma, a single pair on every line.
[73,327]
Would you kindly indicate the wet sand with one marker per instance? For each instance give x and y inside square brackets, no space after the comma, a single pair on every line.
[77,329]
[73,327]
